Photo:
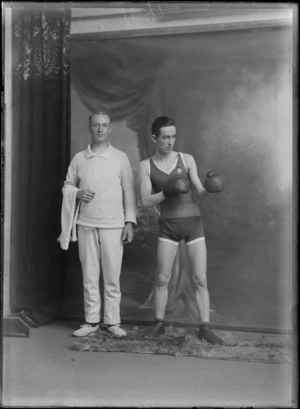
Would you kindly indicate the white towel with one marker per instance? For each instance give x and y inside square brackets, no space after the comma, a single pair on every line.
[69,215]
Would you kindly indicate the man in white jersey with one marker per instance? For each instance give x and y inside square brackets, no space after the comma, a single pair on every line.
[170,179]
[103,180]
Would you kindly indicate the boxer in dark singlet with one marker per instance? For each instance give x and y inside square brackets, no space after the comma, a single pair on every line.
[180,219]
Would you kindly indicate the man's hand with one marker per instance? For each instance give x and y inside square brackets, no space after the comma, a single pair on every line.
[214,183]
[127,235]
[85,195]
[176,185]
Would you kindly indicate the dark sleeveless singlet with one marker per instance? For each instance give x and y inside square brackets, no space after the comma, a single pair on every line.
[183,205]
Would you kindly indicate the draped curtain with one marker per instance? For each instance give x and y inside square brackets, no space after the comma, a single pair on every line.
[40,154]
[229,94]
[119,77]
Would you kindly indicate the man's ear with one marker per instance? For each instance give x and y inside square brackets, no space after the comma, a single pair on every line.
[154,138]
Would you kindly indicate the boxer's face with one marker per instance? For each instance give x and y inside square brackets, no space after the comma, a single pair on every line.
[166,139]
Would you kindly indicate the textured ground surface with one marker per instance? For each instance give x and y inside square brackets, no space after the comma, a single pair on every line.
[42,371]
[249,347]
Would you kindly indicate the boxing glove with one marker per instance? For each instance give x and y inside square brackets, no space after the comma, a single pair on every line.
[176,185]
[214,183]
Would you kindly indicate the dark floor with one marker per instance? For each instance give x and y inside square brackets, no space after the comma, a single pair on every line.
[41,370]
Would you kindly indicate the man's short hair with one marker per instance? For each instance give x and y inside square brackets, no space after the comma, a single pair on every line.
[102,112]
[161,122]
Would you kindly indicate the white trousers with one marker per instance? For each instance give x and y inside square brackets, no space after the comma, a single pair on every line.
[101,247]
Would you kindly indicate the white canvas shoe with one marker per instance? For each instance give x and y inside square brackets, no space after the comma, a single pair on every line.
[84,330]
[116,330]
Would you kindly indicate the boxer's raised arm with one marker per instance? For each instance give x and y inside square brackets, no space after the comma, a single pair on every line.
[148,198]
[198,188]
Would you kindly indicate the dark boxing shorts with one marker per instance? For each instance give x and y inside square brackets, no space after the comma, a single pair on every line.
[189,229]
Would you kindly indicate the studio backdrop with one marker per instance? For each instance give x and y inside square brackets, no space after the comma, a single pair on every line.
[231,97]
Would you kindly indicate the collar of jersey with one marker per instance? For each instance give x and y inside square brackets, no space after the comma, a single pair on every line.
[168,172]
[106,154]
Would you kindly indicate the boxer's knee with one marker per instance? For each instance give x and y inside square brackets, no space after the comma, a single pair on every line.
[200,282]
[163,279]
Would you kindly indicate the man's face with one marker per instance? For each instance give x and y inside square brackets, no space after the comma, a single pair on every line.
[166,139]
[100,128]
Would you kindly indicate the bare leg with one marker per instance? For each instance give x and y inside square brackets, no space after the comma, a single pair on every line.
[166,253]
[198,257]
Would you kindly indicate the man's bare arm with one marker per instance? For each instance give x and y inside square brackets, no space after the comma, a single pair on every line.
[148,198]
[199,190]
